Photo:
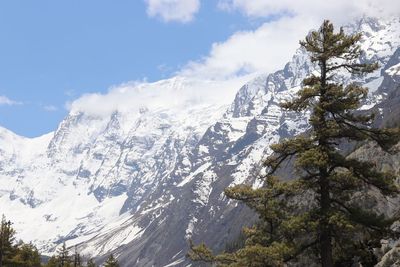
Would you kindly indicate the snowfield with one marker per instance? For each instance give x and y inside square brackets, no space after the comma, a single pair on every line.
[140,170]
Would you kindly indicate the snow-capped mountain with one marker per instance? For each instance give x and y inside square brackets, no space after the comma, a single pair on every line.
[141,180]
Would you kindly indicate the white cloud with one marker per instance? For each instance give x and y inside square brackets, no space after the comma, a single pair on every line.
[175,93]
[271,45]
[265,49]
[6,101]
[339,11]
[173,10]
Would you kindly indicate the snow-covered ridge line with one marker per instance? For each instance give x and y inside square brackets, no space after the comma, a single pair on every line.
[140,179]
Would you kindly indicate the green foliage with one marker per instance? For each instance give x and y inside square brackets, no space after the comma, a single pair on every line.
[77,261]
[317,215]
[111,262]
[7,238]
[63,258]
[13,254]
[91,263]
[16,254]
[53,262]
[26,255]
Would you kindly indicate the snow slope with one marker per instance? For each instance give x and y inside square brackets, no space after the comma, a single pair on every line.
[143,170]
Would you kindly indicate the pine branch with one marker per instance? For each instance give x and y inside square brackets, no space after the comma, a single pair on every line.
[300,251]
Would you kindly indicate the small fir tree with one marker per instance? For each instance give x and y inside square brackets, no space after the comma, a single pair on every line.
[53,262]
[77,258]
[91,263]
[111,262]
[63,256]
[7,238]
[14,253]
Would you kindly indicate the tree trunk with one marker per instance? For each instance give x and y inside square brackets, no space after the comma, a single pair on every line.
[325,234]
[2,234]
[325,201]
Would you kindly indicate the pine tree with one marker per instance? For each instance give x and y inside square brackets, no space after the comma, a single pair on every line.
[90,263]
[77,258]
[324,170]
[26,255]
[53,262]
[319,215]
[111,262]
[7,238]
[63,257]
[262,246]
[14,253]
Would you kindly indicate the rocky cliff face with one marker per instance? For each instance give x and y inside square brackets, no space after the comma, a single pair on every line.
[141,183]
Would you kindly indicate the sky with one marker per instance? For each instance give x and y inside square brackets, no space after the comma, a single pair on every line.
[57,53]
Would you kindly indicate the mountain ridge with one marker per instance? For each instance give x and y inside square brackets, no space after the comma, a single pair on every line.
[174,165]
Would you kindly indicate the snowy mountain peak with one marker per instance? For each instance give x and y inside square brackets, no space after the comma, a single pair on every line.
[142,168]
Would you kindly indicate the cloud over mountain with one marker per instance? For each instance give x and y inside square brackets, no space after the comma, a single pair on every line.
[269,46]
[174,93]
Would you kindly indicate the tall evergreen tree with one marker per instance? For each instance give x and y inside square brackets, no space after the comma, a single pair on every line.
[111,262]
[13,253]
[7,238]
[332,227]
[63,256]
[77,258]
[53,262]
